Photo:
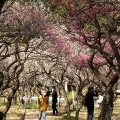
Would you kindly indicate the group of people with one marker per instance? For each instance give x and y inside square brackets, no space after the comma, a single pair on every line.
[92,92]
[43,103]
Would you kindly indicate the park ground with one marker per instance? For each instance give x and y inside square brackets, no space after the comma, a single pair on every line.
[32,114]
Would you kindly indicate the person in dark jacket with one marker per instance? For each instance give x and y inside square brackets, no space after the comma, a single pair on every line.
[92,92]
[54,101]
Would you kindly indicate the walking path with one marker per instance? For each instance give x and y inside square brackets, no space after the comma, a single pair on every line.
[33,115]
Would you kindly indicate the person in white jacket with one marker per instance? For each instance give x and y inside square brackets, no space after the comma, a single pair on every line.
[99,100]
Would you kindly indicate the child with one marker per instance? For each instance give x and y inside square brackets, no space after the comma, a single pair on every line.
[43,102]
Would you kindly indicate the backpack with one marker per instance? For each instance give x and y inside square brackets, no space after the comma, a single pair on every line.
[84,100]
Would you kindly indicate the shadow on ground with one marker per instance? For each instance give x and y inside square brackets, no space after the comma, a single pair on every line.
[67,118]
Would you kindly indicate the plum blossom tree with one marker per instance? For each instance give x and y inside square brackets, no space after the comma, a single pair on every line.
[95,25]
[20,33]
[84,34]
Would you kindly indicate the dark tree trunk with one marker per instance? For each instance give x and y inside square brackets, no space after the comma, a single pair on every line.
[77,112]
[22,117]
[107,105]
[2,2]
[15,98]
[9,100]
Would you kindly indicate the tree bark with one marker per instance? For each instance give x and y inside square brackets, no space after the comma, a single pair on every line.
[12,93]
[77,112]
[107,105]
[9,100]
[2,2]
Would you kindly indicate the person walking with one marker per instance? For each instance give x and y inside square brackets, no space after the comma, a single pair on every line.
[43,102]
[92,92]
[54,101]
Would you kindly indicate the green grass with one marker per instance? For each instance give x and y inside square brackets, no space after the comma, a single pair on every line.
[69,95]
[33,106]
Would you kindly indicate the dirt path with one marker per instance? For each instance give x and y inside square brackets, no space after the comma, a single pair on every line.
[33,115]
